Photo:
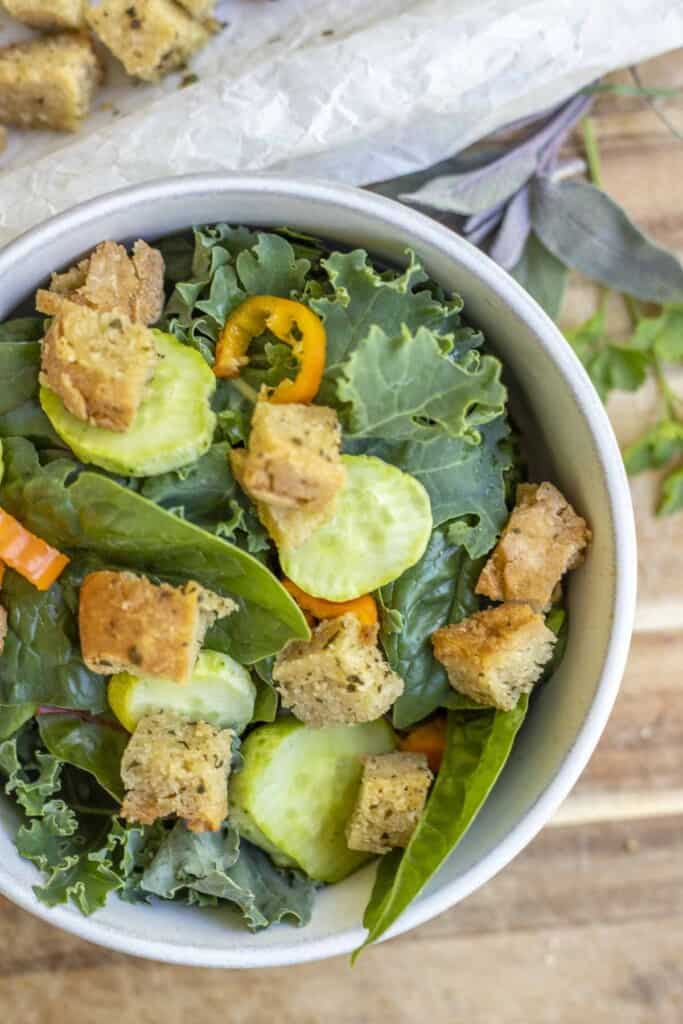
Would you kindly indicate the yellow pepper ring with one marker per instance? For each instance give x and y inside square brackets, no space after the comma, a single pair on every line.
[289,321]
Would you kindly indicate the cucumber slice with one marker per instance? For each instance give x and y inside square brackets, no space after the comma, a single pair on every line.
[381,526]
[174,424]
[297,790]
[221,692]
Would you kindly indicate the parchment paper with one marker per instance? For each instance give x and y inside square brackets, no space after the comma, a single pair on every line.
[351,90]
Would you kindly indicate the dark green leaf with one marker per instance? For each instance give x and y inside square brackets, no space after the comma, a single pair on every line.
[588,231]
[41,662]
[97,515]
[94,746]
[406,389]
[28,328]
[477,747]
[672,494]
[436,591]
[12,717]
[542,274]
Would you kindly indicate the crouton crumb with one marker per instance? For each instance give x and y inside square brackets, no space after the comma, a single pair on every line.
[495,655]
[47,14]
[172,766]
[391,798]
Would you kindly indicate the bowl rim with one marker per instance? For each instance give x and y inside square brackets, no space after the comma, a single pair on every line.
[395,216]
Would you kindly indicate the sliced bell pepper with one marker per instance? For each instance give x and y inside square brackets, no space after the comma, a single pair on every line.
[429,739]
[291,322]
[28,555]
[364,608]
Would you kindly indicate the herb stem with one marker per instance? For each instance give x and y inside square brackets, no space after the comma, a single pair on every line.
[245,390]
[671,399]
[633,309]
[590,142]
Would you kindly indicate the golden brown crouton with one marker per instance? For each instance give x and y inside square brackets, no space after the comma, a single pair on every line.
[149,37]
[128,624]
[48,82]
[496,655]
[171,766]
[293,458]
[47,14]
[391,798]
[543,538]
[111,281]
[338,676]
[99,364]
[3,627]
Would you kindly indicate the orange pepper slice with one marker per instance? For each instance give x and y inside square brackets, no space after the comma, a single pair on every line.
[364,608]
[28,555]
[429,739]
[291,322]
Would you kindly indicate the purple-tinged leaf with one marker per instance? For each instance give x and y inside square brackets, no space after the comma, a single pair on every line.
[508,245]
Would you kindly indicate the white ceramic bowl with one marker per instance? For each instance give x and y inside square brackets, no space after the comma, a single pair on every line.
[571,431]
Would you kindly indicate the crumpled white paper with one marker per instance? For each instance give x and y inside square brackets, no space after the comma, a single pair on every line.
[350,90]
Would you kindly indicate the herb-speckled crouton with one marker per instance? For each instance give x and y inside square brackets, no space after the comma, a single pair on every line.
[171,766]
[291,468]
[99,364]
[111,281]
[149,37]
[293,457]
[391,798]
[496,655]
[543,538]
[48,82]
[128,624]
[47,14]
[338,676]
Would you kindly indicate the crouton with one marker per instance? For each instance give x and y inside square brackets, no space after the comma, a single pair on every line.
[111,281]
[47,14]
[391,798]
[172,766]
[496,655]
[288,527]
[149,37]
[543,538]
[338,676]
[99,364]
[3,628]
[293,456]
[128,624]
[48,82]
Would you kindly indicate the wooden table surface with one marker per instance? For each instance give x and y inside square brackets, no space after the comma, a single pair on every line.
[587,924]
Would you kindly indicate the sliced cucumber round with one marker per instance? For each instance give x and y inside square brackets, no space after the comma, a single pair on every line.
[221,692]
[297,790]
[173,426]
[381,526]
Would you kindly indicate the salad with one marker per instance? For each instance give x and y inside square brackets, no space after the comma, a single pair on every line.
[275,591]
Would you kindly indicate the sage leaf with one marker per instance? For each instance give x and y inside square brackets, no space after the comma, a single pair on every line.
[477,190]
[588,231]
[542,275]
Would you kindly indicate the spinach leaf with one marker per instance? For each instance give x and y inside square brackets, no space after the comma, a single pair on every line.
[28,328]
[436,591]
[360,297]
[406,389]
[542,274]
[94,746]
[41,662]
[97,515]
[216,866]
[20,411]
[589,232]
[12,717]
[464,477]
[477,747]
